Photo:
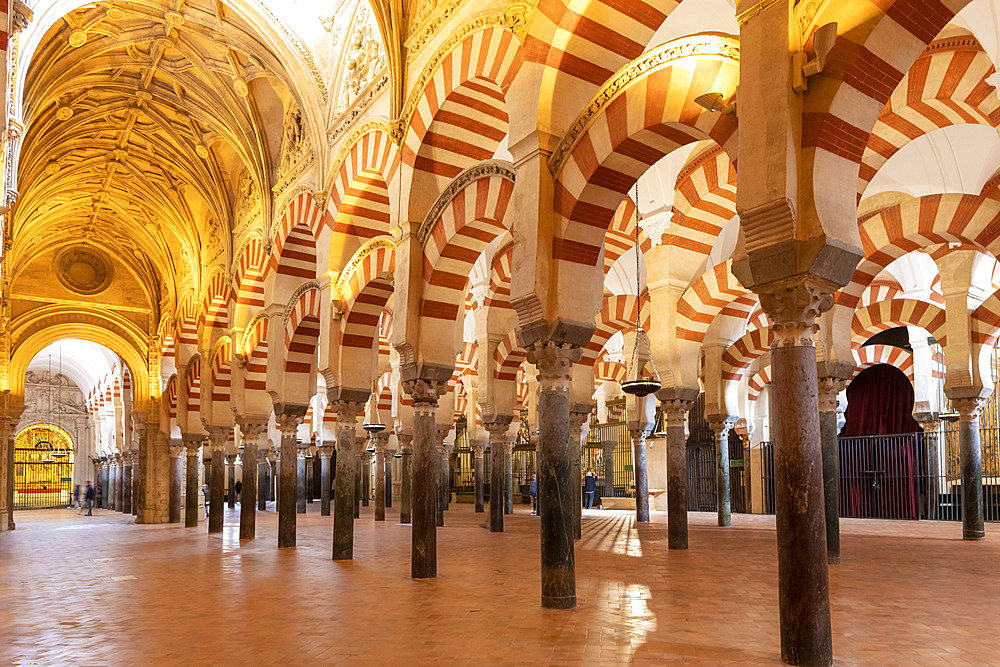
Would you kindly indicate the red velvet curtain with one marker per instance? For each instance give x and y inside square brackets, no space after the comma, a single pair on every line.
[879,476]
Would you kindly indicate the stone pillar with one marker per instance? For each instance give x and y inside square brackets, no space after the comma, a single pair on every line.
[192,442]
[508,476]
[324,454]
[120,482]
[176,474]
[829,388]
[608,455]
[366,474]
[674,412]
[479,465]
[800,515]
[498,470]
[381,445]
[231,481]
[556,493]
[578,416]
[343,502]
[446,451]
[263,478]
[288,418]
[301,461]
[972,466]
[134,485]
[389,455]
[253,433]
[359,447]
[105,483]
[7,469]
[127,484]
[442,474]
[406,472]
[723,497]
[217,437]
[426,467]
[932,464]
[640,474]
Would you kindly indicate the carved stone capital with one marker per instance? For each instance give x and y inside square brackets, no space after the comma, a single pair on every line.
[176,451]
[478,449]
[252,431]
[347,412]
[425,392]
[508,447]
[324,452]
[793,308]
[554,362]
[442,432]
[217,438]
[262,455]
[720,426]
[405,442]
[829,389]
[498,427]
[675,411]
[576,421]
[967,408]
[193,442]
[288,418]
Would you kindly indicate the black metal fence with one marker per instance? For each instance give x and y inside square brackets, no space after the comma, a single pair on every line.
[904,476]
[703,478]
[42,479]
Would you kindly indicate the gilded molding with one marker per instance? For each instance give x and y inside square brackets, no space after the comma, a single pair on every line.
[696,46]
[357,106]
[425,32]
[348,143]
[363,252]
[485,169]
[299,291]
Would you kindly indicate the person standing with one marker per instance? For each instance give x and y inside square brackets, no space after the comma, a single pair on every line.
[239,491]
[76,497]
[89,498]
[534,495]
[590,489]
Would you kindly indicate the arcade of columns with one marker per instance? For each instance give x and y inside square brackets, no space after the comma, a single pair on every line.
[426,217]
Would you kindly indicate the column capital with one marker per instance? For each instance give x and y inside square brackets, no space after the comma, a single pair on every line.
[288,416]
[576,421]
[382,439]
[425,393]
[251,428]
[793,306]
[302,453]
[262,454]
[508,446]
[324,451]
[675,411]
[478,449]
[405,442]
[347,412]
[967,408]
[829,389]
[554,362]
[217,437]
[720,426]
[176,451]
[498,426]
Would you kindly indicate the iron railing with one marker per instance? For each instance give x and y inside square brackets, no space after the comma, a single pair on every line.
[41,479]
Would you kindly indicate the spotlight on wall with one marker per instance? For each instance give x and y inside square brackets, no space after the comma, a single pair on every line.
[823,40]
[716,102]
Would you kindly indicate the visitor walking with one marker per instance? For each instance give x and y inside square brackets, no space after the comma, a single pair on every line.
[534,495]
[589,490]
[76,498]
[239,490]
[88,496]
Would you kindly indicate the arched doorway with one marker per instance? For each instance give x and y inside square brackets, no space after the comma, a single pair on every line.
[43,467]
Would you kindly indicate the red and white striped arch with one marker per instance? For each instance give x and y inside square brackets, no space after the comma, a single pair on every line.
[758,381]
[364,295]
[945,86]
[704,201]
[383,395]
[885,315]
[255,343]
[715,293]
[187,325]
[461,115]
[192,382]
[618,313]
[880,290]
[302,332]
[508,357]
[221,374]
[215,306]
[249,279]
[498,295]
[294,252]
[654,115]
[986,321]
[871,355]
[738,356]
[606,370]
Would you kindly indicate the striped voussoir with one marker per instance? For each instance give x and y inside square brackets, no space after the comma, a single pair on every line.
[945,86]
[654,116]
[884,315]
[215,305]
[360,194]
[606,370]
[255,349]
[361,322]
[738,356]
[461,117]
[757,382]
[498,294]
[508,357]
[170,391]
[880,289]
[294,252]
[986,321]
[302,333]
[221,371]
[187,326]
[871,355]
[715,293]
[383,393]
[618,313]
[249,275]
[192,382]
[704,202]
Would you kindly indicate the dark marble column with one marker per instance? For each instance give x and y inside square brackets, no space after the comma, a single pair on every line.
[288,418]
[608,456]
[176,475]
[301,464]
[10,436]
[971,454]
[406,474]
[120,483]
[127,485]
[390,454]
[133,481]
[366,475]
[800,515]
[381,445]
[324,454]
[578,416]
[674,413]
[106,484]
[723,497]
[498,470]
[359,447]
[556,490]
[829,388]
[345,477]
[641,478]
[426,477]
[446,473]
[231,481]
[253,433]
[217,436]
[442,476]
[263,478]
[508,476]
[479,465]
[192,491]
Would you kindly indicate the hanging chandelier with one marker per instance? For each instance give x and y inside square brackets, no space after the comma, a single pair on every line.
[636,383]
[373,423]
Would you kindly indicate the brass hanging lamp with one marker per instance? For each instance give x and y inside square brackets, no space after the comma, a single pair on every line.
[636,383]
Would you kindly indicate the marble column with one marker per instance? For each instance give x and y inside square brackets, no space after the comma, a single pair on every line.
[231,481]
[263,478]
[426,472]
[176,475]
[217,436]
[498,473]
[120,483]
[127,484]
[446,473]
[406,473]
[106,484]
[381,445]
[829,389]
[14,419]
[674,413]
[479,465]
[254,433]
[800,515]
[344,479]
[301,463]
[442,475]
[578,416]
[324,454]
[508,476]
[191,491]
[133,484]
[390,454]
[359,447]
[608,455]
[288,418]
[366,475]
[971,455]
[723,497]
[556,489]
[640,474]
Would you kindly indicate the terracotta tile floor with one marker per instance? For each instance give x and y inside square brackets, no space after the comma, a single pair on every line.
[100,590]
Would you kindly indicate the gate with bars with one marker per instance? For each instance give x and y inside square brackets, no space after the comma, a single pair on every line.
[41,480]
